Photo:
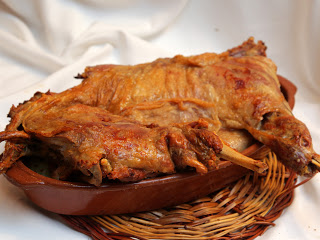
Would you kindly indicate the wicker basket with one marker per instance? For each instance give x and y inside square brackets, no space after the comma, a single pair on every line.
[243,210]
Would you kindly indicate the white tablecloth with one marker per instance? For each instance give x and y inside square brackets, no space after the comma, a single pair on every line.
[45,43]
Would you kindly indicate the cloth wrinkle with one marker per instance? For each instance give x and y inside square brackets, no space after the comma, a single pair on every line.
[45,44]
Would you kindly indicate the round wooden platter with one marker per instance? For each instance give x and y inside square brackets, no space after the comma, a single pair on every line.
[72,198]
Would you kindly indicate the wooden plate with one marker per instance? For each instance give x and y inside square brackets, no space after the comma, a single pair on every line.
[73,198]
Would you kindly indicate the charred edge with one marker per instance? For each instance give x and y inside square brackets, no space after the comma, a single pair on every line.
[249,48]
[79,76]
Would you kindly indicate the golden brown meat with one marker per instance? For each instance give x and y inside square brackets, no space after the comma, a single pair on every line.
[100,144]
[238,89]
[131,122]
[92,141]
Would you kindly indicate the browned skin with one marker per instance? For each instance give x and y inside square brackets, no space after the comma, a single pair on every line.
[100,144]
[131,122]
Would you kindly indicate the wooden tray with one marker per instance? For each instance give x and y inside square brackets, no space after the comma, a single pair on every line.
[73,198]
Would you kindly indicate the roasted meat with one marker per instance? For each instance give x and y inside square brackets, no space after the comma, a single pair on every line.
[99,144]
[133,122]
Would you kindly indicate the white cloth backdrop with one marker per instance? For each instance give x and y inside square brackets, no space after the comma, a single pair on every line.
[45,43]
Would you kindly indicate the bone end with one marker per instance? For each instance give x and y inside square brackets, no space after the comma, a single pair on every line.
[232,155]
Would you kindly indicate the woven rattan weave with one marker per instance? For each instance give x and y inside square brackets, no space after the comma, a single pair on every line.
[243,210]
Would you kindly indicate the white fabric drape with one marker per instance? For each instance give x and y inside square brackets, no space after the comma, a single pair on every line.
[44,44]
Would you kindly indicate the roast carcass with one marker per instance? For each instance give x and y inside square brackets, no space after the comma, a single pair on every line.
[134,122]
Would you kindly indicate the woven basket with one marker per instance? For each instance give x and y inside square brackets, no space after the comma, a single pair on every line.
[243,210]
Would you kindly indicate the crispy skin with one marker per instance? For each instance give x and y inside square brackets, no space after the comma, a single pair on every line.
[131,122]
[100,144]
